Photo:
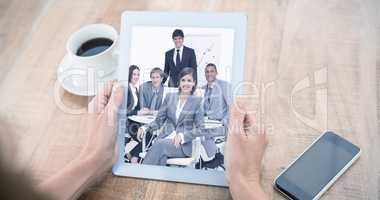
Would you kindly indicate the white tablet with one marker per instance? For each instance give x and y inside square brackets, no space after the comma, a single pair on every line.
[145,37]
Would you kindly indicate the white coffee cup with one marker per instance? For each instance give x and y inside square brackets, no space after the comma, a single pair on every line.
[104,62]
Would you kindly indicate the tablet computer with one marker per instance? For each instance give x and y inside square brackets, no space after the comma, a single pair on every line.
[146,39]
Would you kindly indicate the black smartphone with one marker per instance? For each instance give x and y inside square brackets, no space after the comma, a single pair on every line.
[317,168]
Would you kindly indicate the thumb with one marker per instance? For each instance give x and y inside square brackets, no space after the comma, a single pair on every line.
[117,96]
[112,107]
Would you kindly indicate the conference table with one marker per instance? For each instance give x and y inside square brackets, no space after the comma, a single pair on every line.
[146,119]
[143,119]
[314,64]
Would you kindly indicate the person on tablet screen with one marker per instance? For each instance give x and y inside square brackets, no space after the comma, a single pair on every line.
[216,105]
[133,101]
[151,93]
[180,114]
[178,58]
[133,107]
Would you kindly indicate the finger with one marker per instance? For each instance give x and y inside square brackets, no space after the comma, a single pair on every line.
[104,101]
[236,129]
[236,117]
[254,128]
[116,96]
[116,152]
[227,175]
[114,102]
[262,135]
[250,124]
[99,102]
[107,89]
[232,155]
[256,134]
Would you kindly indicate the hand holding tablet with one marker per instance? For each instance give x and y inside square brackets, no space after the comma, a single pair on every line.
[98,155]
[244,152]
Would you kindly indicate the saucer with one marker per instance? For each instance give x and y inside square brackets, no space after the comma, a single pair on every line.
[80,80]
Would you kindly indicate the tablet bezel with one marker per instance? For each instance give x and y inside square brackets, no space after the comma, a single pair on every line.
[235,21]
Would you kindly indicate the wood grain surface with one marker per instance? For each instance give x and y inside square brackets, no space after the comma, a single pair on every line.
[316,64]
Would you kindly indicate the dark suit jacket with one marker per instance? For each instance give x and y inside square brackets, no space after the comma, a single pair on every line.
[188,60]
[130,102]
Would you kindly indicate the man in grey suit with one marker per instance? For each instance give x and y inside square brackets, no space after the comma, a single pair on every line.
[216,103]
[188,125]
[151,93]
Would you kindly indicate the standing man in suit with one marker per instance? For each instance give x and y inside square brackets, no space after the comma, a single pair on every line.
[217,101]
[178,58]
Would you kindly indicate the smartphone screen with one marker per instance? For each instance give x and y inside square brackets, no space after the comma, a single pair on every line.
[329,156]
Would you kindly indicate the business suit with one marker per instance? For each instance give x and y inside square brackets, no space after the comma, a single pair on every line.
[189,123]
[172,69]
[147,94]
[131,102]
[216,102]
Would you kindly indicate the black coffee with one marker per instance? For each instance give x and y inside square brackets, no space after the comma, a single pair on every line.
[94,46]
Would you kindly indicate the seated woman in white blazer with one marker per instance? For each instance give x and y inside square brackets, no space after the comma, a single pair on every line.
[181,114]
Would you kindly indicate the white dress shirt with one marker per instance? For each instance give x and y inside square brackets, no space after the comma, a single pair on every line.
[179,109]
[175,54]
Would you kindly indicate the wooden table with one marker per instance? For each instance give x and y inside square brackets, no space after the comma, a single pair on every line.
[332,45]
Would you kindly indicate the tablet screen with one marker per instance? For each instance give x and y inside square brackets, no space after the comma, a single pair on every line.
[162,55]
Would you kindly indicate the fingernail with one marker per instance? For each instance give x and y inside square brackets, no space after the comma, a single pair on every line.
[117,85]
